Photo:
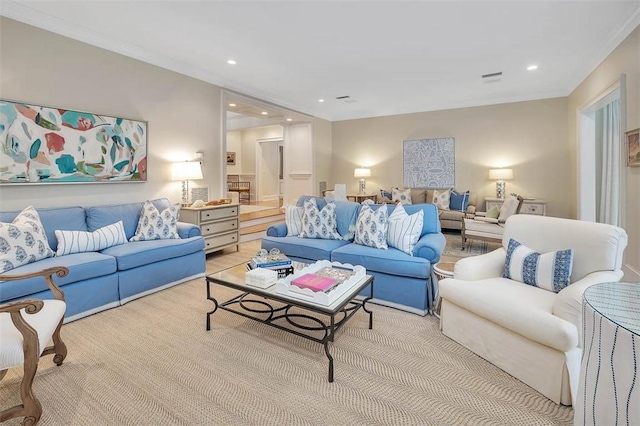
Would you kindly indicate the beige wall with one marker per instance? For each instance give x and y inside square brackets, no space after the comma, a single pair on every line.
[234,144]
[43,68]
[529,137]
[625,59]
[323,150]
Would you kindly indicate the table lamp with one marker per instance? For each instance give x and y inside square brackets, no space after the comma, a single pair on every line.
[500,175]
[186,171]
[362,173]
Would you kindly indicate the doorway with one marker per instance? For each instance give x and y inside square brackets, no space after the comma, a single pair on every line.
[268,169]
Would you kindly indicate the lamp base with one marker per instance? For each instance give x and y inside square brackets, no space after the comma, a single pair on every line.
[500,189]
[363,187]
[185,192]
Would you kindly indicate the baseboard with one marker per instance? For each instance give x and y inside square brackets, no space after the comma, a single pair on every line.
[630,273]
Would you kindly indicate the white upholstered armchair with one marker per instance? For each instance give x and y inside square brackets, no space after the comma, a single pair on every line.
[530,332]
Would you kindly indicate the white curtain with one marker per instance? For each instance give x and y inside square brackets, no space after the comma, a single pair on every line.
[609,208]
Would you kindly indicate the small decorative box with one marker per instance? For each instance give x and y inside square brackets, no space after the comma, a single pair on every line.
[261,277]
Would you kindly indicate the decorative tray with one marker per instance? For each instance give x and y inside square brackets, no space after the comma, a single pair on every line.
[284,286]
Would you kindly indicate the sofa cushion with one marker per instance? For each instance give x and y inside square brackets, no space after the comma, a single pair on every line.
[550,271]
[404,230]
[419,196]
[129,214]
[138,253]
[442,198]
[430,222]
[391,261]
[157,224]
[319,223]
[82,266]
[303,248]
[23,241]
[346,217]
[80,241]
[509,208]
[459,200]
[372,225]
[401,195]
[293,219]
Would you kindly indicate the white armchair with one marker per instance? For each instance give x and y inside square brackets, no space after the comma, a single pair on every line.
[531,333]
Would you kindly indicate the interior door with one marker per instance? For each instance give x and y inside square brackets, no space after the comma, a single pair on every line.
[269,170]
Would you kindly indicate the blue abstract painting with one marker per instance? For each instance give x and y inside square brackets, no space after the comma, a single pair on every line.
[429,163]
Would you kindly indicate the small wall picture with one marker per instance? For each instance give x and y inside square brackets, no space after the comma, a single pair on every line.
[231,158]
[633,148]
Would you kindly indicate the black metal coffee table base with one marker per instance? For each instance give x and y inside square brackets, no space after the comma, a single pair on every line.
[270,308]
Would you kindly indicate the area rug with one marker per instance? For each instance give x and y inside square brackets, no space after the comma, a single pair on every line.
[151,362]
[454,246]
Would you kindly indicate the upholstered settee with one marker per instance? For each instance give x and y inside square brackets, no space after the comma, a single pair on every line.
[449,219]
[100,280]
[528,331]
[401,281]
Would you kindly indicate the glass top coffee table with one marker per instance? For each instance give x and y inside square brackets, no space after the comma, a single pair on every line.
[287,313]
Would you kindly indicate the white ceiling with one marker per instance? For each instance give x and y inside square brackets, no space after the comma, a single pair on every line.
[391,57]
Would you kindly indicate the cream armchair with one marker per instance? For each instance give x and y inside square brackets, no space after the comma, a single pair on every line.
[531,333]
[26,326]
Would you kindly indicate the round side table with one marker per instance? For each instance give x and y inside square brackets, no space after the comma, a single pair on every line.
[441,270]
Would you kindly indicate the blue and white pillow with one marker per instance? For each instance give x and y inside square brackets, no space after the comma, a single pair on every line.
[386,196]
[459,201]
[404,230]
[80,242]
[371,227]
[550,271]
[23,241]
[293,219]
[319,223]
[155,225]
[401,196]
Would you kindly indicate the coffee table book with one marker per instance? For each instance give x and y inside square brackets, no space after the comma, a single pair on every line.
[284,286]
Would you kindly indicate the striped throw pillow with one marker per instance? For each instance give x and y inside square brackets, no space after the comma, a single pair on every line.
[293,219]
[70,242]
[550,271]
[404,230]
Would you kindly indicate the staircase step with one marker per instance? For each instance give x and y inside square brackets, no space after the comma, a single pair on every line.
[261,227]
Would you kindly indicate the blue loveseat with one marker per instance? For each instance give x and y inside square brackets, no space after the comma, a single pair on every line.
[113,276]
[401,281]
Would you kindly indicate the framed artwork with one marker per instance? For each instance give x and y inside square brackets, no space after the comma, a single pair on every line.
[41,145]
[429,163]
[633,148]
[231,158]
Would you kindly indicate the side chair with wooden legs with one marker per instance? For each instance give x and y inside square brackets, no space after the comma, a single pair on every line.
[26,327]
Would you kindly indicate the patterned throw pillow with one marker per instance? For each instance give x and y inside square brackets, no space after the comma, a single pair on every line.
[442,198]
[404,230]
[371,228]
[23,241]
[459,201]
[404,196]
[385,196]
[79,241]
[293,219]
[155,225]
[550,271]
[319,223]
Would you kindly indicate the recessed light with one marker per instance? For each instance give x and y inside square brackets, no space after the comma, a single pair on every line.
[232,105]
[231,62]
[264,113]
[289,119]
[320,100]
[532,67]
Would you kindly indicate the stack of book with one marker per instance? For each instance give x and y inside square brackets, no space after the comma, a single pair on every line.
[315,282]
[279,263]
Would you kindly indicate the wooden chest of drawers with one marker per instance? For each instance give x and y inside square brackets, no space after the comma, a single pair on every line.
[219,225]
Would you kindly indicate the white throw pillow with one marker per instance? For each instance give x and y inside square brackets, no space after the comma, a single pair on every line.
[319,223]
[293,219]
[550,271]
[79,241]
[404,230]
[442,198]
[155,225]
[402,196]
[371,227]
[509,207]
[23,241]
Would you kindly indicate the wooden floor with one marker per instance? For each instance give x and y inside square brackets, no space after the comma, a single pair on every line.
[253,225]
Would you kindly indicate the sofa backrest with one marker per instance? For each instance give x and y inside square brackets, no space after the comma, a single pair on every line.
[596,246]
[129,214]
[60,218]
[430,221]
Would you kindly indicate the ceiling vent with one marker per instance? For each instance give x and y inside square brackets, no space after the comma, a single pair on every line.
[340,98]
[494,77]
[346,98]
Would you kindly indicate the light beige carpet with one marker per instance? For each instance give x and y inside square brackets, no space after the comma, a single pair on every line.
[151,362]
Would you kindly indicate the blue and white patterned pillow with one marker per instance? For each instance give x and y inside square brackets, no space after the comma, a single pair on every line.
[404,230]
[550,271]
[80,242]
[371,227]
[293,219]
[23,241]
[401,196]
[319,223]
[155,225]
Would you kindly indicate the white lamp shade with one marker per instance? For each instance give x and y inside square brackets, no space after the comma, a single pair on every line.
[362,173]
[186,170]
[500,174]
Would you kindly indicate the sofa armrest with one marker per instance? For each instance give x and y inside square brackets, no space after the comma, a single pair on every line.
[486,219]
[474,268]
[471,209]
[188,230]
[277,230]
[430,246]
[568,303]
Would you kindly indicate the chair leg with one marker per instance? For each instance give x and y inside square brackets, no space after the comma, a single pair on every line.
[30,407]
[58,348]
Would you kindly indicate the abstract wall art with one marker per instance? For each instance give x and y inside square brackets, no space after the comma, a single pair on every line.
[429,163]
[53,145]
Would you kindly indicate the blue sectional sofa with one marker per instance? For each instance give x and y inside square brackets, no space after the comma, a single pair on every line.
[113,276]
[401,281]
